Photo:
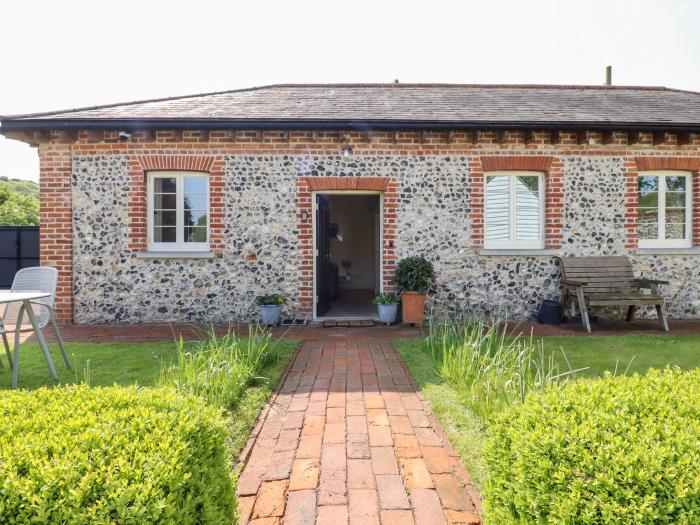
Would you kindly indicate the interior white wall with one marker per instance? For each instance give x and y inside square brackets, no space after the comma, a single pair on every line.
[356,216]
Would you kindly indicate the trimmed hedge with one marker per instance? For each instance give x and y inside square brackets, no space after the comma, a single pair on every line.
[614,450]
[84,455]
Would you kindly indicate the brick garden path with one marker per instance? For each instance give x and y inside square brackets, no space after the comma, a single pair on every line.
[347,439]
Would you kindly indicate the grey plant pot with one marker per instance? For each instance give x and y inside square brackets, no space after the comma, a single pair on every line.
[388,312]
[270,314]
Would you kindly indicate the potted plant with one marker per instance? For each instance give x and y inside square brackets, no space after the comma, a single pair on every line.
[270,307]
[414,276]
[388,306]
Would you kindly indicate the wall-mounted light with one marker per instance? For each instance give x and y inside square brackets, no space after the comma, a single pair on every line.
[304,216]
[124,135]
[347,151]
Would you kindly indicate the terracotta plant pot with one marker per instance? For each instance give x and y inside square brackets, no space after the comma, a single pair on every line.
[412,307]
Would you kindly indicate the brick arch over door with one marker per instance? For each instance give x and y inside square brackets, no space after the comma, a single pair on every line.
[305,187]
[140,164]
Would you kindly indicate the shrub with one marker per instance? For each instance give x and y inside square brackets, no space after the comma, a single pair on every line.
[386,298]
[271,299]
[490,369]
[219,368]
[414,274]
[615,450]
[112,455]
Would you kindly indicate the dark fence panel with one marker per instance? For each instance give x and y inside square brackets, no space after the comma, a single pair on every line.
[19,248]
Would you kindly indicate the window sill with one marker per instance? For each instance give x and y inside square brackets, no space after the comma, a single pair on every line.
[529,252]
[184,254]
[668,251]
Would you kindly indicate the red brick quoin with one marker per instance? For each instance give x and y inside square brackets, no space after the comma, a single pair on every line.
[554,192]
[140,164]
[305,187]
[647,163]
[56,216]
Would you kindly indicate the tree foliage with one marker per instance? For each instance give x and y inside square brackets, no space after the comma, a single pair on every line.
[17,209]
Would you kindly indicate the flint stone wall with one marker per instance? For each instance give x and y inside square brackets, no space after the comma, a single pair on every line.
[261,252]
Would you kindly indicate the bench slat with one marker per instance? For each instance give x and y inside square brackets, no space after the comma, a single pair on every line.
[599,271]
[602,271]
[604,279]
[623,302]
[598,265]
[610,290]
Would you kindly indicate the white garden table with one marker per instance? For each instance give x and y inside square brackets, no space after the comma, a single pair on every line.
[26,299]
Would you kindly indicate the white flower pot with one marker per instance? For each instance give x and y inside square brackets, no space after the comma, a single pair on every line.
[388,312]
[270,314]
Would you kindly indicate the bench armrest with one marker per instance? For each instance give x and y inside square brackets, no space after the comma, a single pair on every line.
[573,283]
[648,283]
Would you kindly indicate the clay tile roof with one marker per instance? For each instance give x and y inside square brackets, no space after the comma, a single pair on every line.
[439,104]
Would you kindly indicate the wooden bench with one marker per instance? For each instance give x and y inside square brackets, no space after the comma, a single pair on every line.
[608,281]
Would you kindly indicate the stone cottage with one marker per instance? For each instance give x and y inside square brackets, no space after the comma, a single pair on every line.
[187,208]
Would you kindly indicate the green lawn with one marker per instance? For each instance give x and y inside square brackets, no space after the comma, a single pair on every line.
[638,352]
[598,353]
[106,364]
[99,364]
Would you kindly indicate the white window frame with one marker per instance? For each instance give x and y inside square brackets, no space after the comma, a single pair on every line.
[180,244]
[512,243]
[661,241]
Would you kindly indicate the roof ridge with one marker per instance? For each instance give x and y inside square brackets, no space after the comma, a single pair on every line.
[601,87]
[461,85]
[349,85]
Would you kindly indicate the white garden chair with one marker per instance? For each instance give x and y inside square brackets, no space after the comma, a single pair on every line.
[36,279]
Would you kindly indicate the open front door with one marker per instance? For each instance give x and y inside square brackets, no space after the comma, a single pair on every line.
[323,255]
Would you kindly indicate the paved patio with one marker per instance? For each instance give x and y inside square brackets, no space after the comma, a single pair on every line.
[168,332]
[347,438]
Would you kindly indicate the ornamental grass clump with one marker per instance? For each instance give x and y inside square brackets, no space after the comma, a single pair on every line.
[220,368]
[84,455]
[622,449]
[491,369]
[386,298]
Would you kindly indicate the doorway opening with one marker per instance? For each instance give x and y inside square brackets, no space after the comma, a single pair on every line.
[348,254]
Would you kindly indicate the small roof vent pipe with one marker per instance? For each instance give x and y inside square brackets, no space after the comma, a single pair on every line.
[608,76]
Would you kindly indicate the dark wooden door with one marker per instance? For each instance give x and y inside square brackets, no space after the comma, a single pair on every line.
[323,255]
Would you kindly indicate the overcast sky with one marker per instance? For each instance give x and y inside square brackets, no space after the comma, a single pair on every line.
[66,54]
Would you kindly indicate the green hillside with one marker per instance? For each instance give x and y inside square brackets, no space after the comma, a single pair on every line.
[19,202]
[25,187]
